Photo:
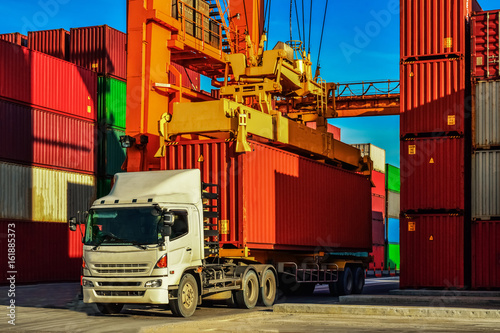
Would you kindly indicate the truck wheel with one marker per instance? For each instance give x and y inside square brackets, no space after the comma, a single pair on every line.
[268,288]
[247,297]
[359,281]
[109,308]
[187,297]
[345,282]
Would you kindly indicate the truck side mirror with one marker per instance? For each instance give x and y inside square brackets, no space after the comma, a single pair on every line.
[168,218]
[72,224]
[166,231]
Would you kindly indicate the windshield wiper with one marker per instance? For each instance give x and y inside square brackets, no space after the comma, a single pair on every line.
[116,238]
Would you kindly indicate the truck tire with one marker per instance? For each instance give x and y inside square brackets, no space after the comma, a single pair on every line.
[187,297]
[268,288]
[247,297]
[109,308]
[359,280]
[345,282]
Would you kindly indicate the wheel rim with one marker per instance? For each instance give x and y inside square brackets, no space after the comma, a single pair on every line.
[268,288]
[250,289]
[188,295]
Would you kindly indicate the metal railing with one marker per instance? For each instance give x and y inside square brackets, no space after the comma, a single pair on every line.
[310,272]
[362,89]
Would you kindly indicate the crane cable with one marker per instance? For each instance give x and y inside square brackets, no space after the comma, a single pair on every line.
[310,21]
[303,24]
[321,39]
[297,16]
[267,19]
[246,18]
[291,6]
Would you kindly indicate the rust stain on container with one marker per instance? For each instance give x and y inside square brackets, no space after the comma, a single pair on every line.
[432,178]
[432,254]
[278,200]
[432,99]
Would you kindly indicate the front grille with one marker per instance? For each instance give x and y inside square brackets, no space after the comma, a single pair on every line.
[120,268]
[119,284]
[119,293]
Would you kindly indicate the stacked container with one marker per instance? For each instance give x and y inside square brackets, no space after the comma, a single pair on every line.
[47,165]
[377,155]
[434,128]
[485,233]
[392,185]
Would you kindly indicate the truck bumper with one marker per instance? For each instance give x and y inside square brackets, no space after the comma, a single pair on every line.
[126,290]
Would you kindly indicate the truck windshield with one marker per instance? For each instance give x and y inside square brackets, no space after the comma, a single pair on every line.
[123,226]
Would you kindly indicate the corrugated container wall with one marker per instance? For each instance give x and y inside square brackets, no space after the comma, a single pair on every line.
[392,178]
[432,174]
[45,252]
[432,96]
[45,195]
[37,79]
[378,253]
[190,79]
[31,136]
[378,229]
[393,204]
[430,28]
[111,102]
[393,256]
[110,152]
[101,49]
[486,184]
[52,42]
[486,254]
[432,251]
[486,114]
[376,154]
[15,38]
[272,199]
[485,34]
[378,179]
[393,230]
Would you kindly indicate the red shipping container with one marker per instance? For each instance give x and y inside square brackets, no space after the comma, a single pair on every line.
[272,199]
[378,204]
[378,179]
[101,49]
[378,254]
[430,27]
[432,251]
[190,79]
[486,254]
[60,259]
[330,129]
[432,96]
[47,139]
[432,174]
[378,229]
[15,38]
[485,34]
[46,82]
[52,42]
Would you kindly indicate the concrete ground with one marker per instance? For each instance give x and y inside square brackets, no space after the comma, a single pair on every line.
[56,308]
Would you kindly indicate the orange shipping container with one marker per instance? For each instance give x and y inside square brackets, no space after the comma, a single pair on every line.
[272,199]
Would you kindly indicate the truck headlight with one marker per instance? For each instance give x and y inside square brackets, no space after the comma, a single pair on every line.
[153,284]
[87,283]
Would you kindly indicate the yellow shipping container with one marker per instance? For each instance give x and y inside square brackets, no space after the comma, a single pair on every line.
[46,195]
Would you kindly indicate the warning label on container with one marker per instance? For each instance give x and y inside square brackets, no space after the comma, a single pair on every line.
[448,42]
[201,159]
[412,149]
[431,161]
[411,226]
[224,227]
[451,120]
[431,238]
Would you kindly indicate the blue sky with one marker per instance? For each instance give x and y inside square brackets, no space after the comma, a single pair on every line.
[360,43]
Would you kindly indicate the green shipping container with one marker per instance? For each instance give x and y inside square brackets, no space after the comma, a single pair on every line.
[103,186]
[392,178]
[111,102]
[392,253]
[111,154]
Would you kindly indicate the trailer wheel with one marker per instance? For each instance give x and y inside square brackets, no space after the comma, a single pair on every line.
[109,308]
[345,282]
[268,288]
[247,297]
[359,281]
[187,297]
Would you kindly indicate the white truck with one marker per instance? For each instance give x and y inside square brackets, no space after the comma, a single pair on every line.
[148,241]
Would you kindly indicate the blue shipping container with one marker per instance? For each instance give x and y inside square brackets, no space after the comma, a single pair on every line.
[393,231]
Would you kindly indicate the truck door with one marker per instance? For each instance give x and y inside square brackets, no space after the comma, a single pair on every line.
[180,245]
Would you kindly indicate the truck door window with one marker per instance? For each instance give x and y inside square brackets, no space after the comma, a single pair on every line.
[180,226]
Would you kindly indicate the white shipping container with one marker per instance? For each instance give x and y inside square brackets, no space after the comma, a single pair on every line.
[46,195]
[486,184]
[486,116]
[376,154]
[393,204]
